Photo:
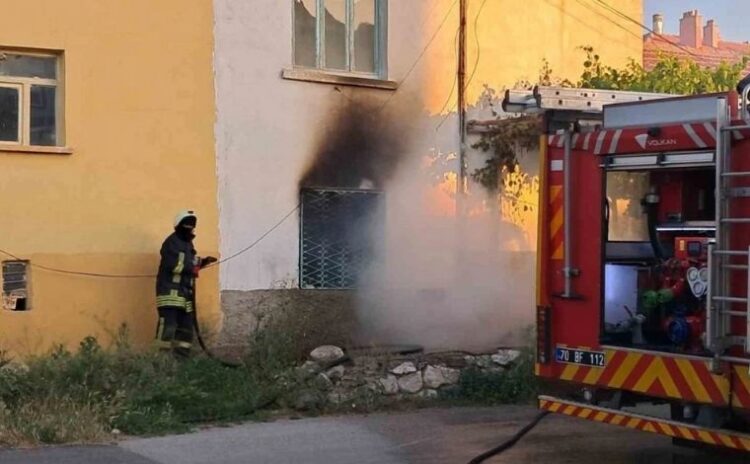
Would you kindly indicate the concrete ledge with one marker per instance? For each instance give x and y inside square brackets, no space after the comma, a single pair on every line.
[325,77]
[35,149]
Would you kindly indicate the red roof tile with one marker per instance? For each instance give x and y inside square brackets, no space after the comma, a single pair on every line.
[656,46]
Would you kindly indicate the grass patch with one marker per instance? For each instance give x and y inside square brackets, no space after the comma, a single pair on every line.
[518,384]
[83,396]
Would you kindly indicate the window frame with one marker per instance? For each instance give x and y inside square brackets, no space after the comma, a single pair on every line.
[25,83]
[9,300]
[381,42]
[19,132]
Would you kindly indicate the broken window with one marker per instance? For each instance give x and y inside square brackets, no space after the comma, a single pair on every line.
[340,35]
[338,232]
[15,285]
[29,99]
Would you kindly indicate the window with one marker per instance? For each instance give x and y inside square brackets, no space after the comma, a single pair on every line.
[15,285]
[340,35]
[338,231]
[29,99]
[627,222]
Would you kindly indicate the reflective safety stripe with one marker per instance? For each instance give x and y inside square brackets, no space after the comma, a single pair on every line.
[160,329]
[177,272]
[162,344]
[169,300]
[187,345]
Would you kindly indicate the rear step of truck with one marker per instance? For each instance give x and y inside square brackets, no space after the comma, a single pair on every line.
[679,430]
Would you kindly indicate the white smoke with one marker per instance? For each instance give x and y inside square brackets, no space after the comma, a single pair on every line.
[440,281]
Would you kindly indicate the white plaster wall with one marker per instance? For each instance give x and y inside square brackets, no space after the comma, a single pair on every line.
[267,127]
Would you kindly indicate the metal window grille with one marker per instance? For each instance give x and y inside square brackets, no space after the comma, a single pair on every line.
[336,236]
[15,285]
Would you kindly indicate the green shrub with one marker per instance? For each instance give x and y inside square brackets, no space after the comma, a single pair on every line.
[515,385]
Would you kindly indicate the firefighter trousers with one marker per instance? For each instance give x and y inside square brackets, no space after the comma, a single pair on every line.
[174,330]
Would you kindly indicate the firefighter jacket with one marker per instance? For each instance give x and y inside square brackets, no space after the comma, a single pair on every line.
[175,281]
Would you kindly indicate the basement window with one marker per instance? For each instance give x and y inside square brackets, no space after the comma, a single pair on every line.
[30,100]
[15,285]
[338,232]
[341,36]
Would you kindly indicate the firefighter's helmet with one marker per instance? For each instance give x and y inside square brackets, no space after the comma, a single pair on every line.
[185,214]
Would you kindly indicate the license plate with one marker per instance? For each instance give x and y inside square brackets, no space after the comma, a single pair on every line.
[582,357]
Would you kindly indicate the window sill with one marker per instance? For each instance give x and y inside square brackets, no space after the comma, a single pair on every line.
[35,149]
[325,77]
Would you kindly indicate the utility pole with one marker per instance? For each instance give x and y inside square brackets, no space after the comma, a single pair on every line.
[461,183]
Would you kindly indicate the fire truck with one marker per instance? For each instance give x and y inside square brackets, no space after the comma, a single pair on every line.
[642,273]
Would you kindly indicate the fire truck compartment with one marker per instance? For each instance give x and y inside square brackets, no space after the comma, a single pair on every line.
[657,223]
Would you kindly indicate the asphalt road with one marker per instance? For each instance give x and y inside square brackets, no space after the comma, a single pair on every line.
[434,436]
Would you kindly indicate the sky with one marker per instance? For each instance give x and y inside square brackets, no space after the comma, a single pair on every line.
[730,15]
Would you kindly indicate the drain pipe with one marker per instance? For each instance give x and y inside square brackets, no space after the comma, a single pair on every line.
[568,270]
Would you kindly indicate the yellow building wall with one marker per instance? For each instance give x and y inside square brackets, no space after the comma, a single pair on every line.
[139,116]
[507,41]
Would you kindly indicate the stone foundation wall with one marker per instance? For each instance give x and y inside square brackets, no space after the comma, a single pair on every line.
[319,316]
[385,378]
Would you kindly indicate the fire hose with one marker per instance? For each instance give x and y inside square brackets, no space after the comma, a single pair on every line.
[506,445]
[272,399]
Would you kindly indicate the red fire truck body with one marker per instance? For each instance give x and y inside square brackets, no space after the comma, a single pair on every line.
[643,257]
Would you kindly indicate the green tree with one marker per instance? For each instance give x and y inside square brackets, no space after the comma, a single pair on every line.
[672,75]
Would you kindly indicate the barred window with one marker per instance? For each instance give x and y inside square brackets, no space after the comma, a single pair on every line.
[338,228]
[15,285]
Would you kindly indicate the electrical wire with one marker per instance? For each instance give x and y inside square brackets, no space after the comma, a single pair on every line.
[151,276]
[78,273]
[455,74]
[260,239]
[594,10]
[619,13]
[479,48]
[473,72]
[419,58]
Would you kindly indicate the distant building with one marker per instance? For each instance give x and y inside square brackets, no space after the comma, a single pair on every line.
[697,41]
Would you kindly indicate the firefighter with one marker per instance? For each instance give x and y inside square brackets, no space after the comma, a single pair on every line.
[175,286]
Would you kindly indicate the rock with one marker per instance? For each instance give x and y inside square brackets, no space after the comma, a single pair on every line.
[389,384]
[470,360]
[308,368]
[410,383]
[368,363]
[116,432]
[338,397]
[428,394]
[336,373]
[306,400]
[322,382]
[505,357]
[326,354]
[451,376]
[407,367]
[483,362]
[433,377]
